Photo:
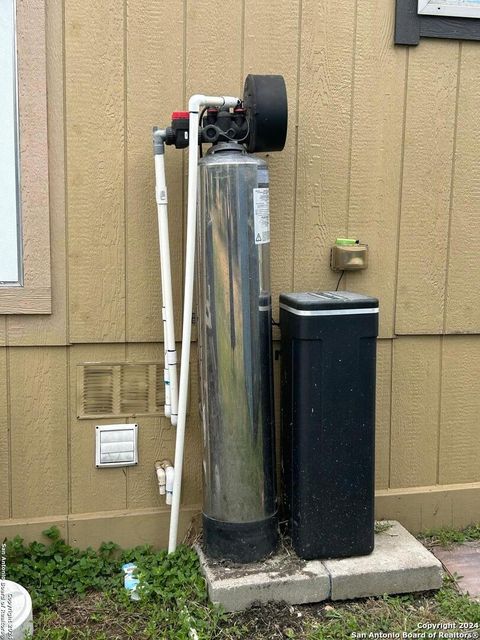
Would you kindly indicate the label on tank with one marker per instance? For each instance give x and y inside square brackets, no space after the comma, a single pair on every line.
[262,177]
[261,215]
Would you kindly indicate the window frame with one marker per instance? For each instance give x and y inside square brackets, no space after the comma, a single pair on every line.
[410,25]
[439,8]
[33,296]
[16,136]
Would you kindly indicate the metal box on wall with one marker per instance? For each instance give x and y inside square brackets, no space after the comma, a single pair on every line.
[328,421]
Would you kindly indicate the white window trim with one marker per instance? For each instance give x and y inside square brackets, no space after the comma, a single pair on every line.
[457,8]
[19,248]
[35,296]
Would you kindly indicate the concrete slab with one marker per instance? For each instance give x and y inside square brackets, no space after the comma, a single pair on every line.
[398,564]
[463,562]
[282,578]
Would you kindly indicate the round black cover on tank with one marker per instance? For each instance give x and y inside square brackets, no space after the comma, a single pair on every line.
[240,542]
[265,99]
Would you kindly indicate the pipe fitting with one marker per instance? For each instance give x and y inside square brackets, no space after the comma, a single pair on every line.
[198,101]
[161,478]
[159,136]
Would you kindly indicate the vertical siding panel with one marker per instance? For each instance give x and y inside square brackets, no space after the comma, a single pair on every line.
[277,54]
[460,411]
[95,169]
[92,489]
[157,442]
[465,508]
[415,409]
[154,54]
[51,329]
[324,123]
[213,64]
[213,59]
[350,179]
[4,445]
[383,417]
[192,470]
[429,138]
[463,294]
[378,113]
[38,392]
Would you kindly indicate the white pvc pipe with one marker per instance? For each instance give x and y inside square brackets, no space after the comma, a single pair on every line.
[169,480]
[166,376]
[195,103]
[171,385]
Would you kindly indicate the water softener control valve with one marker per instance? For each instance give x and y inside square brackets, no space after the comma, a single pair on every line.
[259,121]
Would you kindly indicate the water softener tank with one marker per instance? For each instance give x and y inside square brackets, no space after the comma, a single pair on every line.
[328,421]
[235,355]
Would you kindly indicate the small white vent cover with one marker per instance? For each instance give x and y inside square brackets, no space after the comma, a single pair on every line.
[116,445]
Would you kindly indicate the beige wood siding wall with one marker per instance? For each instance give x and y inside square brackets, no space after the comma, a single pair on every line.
[383,145]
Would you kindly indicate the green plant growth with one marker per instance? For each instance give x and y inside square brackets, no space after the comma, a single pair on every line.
[55,571]
[382,525]
[446,537]
[396,614]
[173,603]
[79,595]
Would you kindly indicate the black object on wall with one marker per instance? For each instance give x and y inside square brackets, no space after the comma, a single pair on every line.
[410,27]
[328,421]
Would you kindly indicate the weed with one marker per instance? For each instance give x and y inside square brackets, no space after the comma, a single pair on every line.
[173,603]
[455,606]
[79,595]
[55,571]
[446,537]
[382,525]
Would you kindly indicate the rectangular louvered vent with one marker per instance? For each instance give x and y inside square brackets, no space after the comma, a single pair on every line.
[135,389]
[120,389]
[116,445]
[98,391]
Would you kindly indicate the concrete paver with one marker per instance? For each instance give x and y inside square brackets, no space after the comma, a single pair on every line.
[398,564]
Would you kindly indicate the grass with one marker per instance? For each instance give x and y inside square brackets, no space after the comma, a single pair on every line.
[99,616]
[447,537]
[79,595]
[382,525]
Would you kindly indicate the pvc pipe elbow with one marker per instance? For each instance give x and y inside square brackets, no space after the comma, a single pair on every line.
[195,102]
[199,100]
